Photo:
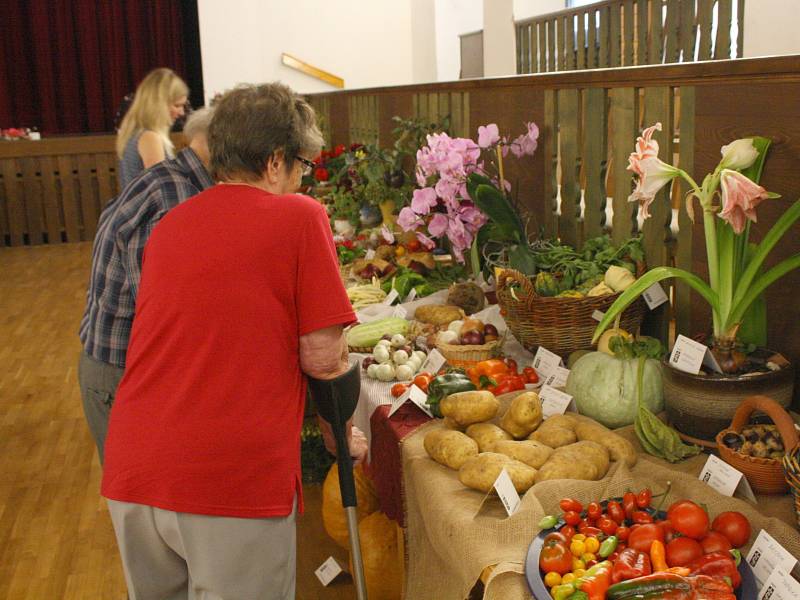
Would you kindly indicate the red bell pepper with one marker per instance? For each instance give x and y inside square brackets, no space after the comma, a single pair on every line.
[630,564]
[719,565]
[711,588]
[597,584]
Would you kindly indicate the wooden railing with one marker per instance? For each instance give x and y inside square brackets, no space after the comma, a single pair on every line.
[616,33]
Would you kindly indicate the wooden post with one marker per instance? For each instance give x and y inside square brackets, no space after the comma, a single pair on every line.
[569,119]
[550,135]
[594,161]
[684,254]
[622,126]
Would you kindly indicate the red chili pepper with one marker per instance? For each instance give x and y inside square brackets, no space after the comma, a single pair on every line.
[630,564]
[717,564]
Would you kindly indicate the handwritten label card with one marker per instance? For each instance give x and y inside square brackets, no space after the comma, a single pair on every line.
[433,363]
[545,362]
[391,297]
[688,356]
[780,585]
[766,555]
[558,377]
[725,479]
[328,571]
[419,397]
[655,296]
[555,402]
[507,492]
[411,295]
[598,315]
[400,312]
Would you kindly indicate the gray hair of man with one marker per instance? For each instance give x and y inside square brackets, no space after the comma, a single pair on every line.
[197,123]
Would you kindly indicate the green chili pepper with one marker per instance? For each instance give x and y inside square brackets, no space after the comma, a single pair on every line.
[608,546]
[548,522]
[737,556]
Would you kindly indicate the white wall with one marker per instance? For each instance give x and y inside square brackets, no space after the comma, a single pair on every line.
[770,27]
[499,43]
[366,42]
[525,9]
[423,40]
[454,18]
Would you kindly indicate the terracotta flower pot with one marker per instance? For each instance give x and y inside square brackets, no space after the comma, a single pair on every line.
[701,406]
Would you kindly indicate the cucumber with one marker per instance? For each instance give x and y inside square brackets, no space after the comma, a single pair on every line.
[367,335]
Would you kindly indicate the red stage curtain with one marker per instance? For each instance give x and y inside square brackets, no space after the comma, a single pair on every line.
[65,65]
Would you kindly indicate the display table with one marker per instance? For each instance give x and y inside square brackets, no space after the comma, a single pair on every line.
[453,534]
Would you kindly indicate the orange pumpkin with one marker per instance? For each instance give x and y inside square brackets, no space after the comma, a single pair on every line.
[381,543]
[333,515]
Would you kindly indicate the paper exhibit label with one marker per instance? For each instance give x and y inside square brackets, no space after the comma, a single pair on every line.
[655,296]
[555,402]
[545,362]
[507,492]
[766,555]
[328,571]
[725,479]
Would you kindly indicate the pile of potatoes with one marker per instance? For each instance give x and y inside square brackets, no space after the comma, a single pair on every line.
[478,444]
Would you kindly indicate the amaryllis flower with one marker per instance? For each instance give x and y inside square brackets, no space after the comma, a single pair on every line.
[653,173]
[423,200]
[488,135]
[739,154]
[740,196]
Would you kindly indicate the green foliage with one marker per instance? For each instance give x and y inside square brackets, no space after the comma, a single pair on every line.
[345,206]
[314,458]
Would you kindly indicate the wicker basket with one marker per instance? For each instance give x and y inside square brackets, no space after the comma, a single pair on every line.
[562,325]
[791,465]
[765,475]
[463,356]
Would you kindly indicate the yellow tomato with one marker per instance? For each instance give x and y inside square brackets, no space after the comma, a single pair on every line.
[577,547]
[579,572]
[579,536]
[552,579]
[577,564]
[592,544]
[587,556]
[399,251]
[568,578]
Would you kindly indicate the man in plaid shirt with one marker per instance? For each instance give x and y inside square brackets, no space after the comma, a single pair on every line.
[122,232]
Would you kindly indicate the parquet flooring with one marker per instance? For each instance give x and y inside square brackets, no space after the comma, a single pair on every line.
[56,540]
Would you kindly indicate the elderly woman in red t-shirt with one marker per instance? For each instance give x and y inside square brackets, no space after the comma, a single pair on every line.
[240,298]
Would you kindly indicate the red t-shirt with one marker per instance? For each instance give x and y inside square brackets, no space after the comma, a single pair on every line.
[207,417]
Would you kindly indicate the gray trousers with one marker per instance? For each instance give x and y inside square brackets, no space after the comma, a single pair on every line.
[98,382]
[179,556]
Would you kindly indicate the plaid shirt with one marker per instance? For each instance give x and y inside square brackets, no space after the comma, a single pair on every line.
[122,232]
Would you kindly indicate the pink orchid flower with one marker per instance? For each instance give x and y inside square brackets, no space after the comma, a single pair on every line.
[653,173]
[427,242]
[488,135]
[387,234]
[740,196]
[438,225]
[423,200]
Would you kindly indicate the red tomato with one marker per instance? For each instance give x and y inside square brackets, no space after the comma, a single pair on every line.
[642,537]
[641,517]
[615,511]
[669,532]
[623,533]
[512,364]
[572,518]
[683,550]
[590,531]
[567,531]
[558,536]
[422,380]
[594,510]
[530,374]
[688,519]
[567,504]
[643,498]
[607,525]
[629,504]
[398,389]
[413,245]
[556,557]
[734,526]
[715,542]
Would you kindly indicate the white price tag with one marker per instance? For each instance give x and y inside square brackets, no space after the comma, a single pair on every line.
[399,401]
[400,312]
[766,555]
[555,402]
[780,586]
[688,356]
[598,315]
[411,295]
[655,296]
[545,362]
[558,377]
[507,492]
[370,254]
[328,571]
[391,296]
[433,363]
[418,397]
[725,479]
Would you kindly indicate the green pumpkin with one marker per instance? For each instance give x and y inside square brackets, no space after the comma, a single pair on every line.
[604,388]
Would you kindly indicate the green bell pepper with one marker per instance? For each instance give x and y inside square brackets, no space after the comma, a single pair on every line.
[443,385]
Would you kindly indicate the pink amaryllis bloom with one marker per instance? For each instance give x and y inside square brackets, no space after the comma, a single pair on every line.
[740,196]
[488,135]
[653,173]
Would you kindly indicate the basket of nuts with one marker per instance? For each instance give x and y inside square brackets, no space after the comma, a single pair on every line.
[757,450]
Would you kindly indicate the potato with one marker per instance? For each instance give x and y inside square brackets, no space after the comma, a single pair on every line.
[557,431]
[618,447]
[466,408]
[451,424]
[486,434]
[534,454]
[523,416]
[581,460]
[450,448]
[481,471]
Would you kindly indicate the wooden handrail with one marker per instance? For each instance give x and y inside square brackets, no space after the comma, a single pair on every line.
[304,67]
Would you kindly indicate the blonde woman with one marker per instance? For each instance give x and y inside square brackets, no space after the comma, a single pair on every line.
[143,136]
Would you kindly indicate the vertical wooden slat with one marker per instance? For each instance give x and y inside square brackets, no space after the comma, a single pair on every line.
[4,229]
[52,214]
[15,202]
[591,39]
[542,37]
[465,119]
[641,32]
[623,118]
[89,204]
[518,46]
[603,35]
[103,166]
[455,114]
[581,53]
[569,42]
[33,200]
[740,34]
[444,106]
[569,126]
[551,45]
[562,43]
[594,161]
[529,37]
[524,49]
[656,233]
[722,45]
[433,107]
[688,31]
[69,198]
[551,119]
[671,31]
[684,256]
[655,51]
[628,25]
[704,19]
[615,36]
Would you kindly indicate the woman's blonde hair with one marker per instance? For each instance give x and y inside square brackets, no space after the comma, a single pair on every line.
[150,107]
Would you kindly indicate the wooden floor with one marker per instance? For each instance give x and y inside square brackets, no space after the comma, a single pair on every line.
[56,540]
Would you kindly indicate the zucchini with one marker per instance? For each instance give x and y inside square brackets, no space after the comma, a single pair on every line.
[367,335]
[649,586]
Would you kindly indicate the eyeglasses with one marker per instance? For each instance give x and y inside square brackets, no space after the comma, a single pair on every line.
[308,165]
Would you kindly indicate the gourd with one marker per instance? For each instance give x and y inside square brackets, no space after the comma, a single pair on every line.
[618,279]
[333,515]
[380,553]
[545,284]
[367,335]
[605,388]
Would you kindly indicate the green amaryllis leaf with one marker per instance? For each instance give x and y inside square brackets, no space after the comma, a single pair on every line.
[761,284]
[496,206]
[770,240]
[726,255]
[645,281]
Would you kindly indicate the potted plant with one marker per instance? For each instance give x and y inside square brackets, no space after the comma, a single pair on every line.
[702,405]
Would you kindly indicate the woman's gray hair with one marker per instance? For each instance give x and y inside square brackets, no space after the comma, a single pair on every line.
[253,122]
[197,123]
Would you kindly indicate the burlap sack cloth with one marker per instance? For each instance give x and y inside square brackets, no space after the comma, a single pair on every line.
[452,537]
